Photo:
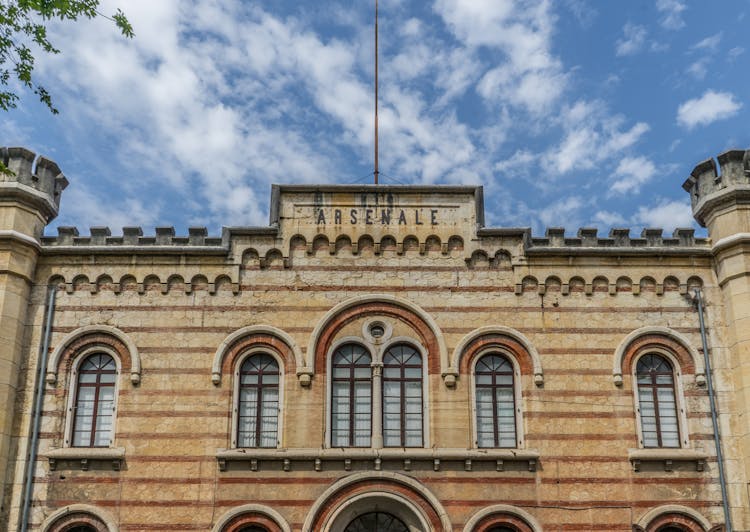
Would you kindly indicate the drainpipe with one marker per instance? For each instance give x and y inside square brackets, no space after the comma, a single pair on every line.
[37,412]
[717,438]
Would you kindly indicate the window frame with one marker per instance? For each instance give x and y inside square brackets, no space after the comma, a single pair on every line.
[517,396]
[351,380]
[396,342]
[73,392]
[679,398]
[258,350]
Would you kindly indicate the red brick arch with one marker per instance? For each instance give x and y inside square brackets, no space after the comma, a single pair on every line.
[510,521]
[501,342]
[75,519]
[249,519]
[649,342]
[375,485]
[90,341]
[425,335]
[263,341]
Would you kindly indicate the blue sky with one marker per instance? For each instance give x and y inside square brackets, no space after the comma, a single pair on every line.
[571,113]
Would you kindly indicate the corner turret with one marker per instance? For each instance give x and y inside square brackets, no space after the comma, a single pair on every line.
[721,199]
[30,192]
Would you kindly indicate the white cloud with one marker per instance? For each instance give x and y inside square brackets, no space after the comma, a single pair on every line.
[633,40]
[735,52]
[699,68]
[671,11]
[609,219]
[591,136]
[710,107]
[710,43]
[631,173]
[531,77]
[665,214]
[565,212]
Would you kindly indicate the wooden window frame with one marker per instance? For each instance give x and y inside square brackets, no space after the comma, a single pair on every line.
[403,380]
[494,386]
[73,394]
[351,381]
[261,387]
[679,400]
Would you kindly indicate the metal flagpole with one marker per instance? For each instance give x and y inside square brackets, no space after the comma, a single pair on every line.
[376,172]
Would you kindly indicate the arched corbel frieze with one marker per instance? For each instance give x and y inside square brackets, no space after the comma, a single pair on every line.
[655,333]
[255,330]
[494,334]
[399,308]
[97,333]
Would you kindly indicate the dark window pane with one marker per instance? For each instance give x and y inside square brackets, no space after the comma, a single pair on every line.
[495,402]
[258,407]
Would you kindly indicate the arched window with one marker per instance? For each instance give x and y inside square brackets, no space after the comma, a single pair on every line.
[258,415]
[402,397]
[376,522]
[495,402]
[253,528]
[351,397]
[81,528]
[93,418]
[657,401]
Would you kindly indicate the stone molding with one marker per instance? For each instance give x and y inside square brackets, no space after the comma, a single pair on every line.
[60,350]
[409,457]
[330,316]
[98,513]
[491,330]
[269,512]
[85,455]
[396,478]
[619,355]
[667,455]
[502,509]
[251,330]
[654,513]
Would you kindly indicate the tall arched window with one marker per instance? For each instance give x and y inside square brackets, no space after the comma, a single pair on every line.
[657,401]
[258,416]
[495,402]
[402,397]
[94,401]
[351,397]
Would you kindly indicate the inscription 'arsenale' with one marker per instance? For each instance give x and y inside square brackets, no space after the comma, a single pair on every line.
[377,216]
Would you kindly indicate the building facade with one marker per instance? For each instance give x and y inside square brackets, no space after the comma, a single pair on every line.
[374,359]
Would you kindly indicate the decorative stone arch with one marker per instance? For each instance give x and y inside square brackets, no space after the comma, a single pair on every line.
[259,335]
[91,335]
[660,337]
[251,514]
[402,496]
[496,335]
[343,313]
[78,514]
[674,514]
[502,514]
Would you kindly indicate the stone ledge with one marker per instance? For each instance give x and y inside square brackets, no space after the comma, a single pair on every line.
[637,456]
[86,455]
[408,456]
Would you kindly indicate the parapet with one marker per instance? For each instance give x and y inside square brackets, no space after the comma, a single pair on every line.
[706,185]
[587,241]
[40,179]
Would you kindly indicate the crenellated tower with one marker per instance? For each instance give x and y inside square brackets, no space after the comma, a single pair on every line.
[721,203]
[29,199]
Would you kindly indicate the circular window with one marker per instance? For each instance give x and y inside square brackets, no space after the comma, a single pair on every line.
[377,331]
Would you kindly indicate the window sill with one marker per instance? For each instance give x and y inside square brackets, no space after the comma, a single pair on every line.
[638,456]
[86,455]
[409,458]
